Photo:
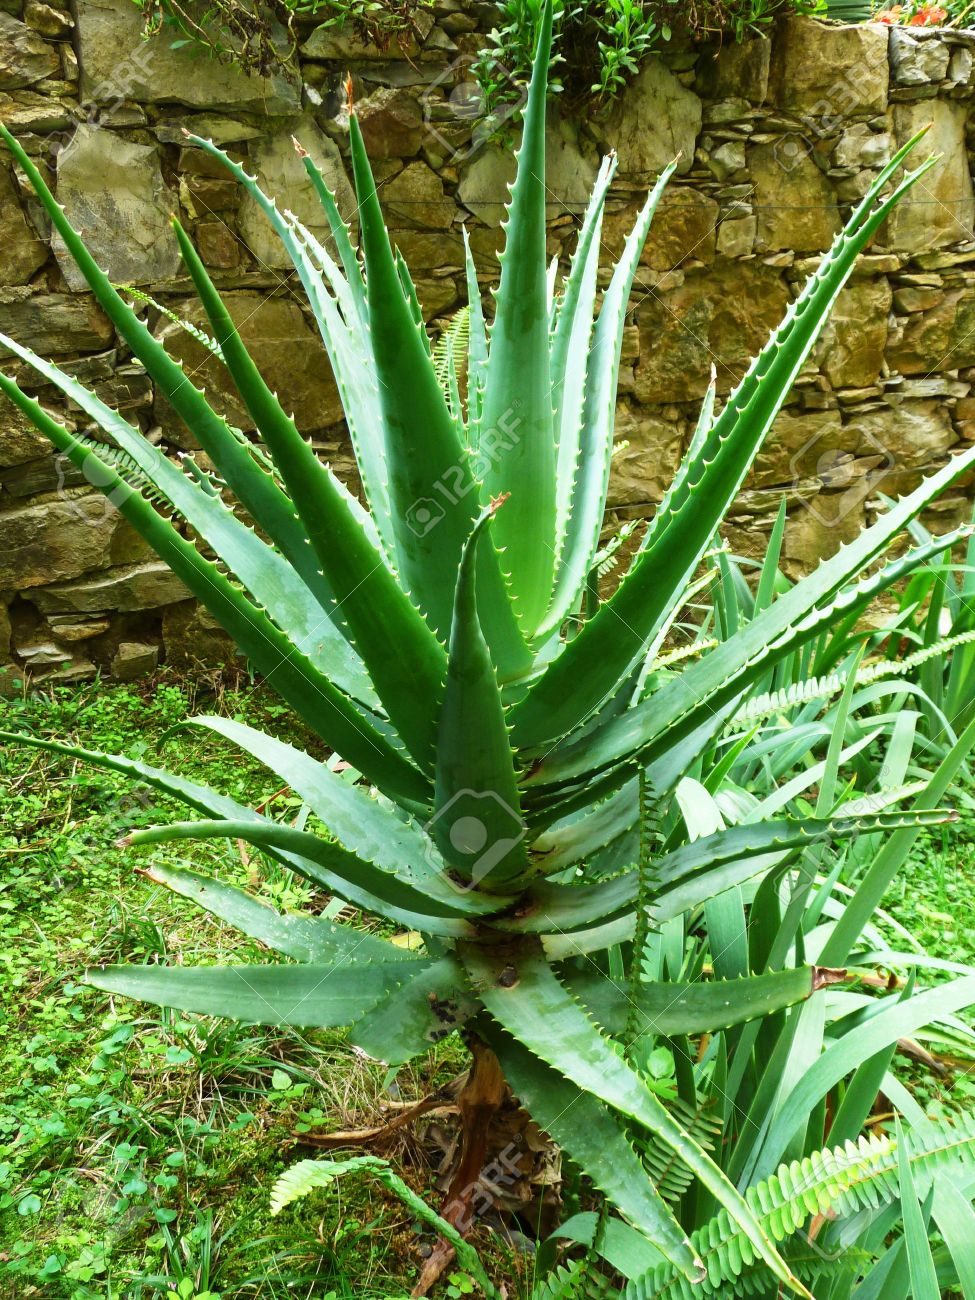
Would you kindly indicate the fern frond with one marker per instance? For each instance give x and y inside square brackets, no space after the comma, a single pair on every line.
[606,560]
[816,1269]
[670,1176]
[309,1175]
[839,1182]
[194,331]
[575,1281]
[816,688]
[125,466]
[450,348]
[684,652]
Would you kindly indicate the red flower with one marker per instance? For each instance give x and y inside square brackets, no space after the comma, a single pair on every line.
[889,16]
[928,16]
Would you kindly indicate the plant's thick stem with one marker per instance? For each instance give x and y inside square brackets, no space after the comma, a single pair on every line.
[478,1103]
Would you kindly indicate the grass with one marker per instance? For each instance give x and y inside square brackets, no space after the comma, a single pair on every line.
[137,1146]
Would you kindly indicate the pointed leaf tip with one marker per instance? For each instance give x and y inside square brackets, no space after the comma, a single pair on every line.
[300,149]
[347,86]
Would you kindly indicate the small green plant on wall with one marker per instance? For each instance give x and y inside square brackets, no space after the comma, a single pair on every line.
[527,782]
[605,42]
[260,36]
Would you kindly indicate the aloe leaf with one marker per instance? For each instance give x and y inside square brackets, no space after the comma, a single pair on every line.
[920,1262]
[308,939]
[953,1213]
[570,358]
[210,803]
[517,383]
[590,1133]
[430,487]
[340,233]
[608,646]
[365,826]
[271,581]
[541,1015]
[549,906]
[372,601]
[810,606]
[252,485]
[353,364]
[477,822]
[688,1008]
[409,1020]
[477,348]
[590,465]
[323,997]
[329,712]
[417,886]
[583,834]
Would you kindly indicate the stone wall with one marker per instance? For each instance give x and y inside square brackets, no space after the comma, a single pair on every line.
[777,139]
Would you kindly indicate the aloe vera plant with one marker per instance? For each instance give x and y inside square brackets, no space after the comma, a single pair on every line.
[445,637]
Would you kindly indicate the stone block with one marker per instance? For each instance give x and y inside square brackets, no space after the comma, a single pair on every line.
[859,146]
[53,324]
[424,250]
[798,447]
[55,24]
[940,209]
[916,60]
[48,542]
[826,73]
[851,349]
[727,159]
[391,122]
[907,434]
[415,197]
[684,229]
[655,121]
[20,442]
[282,174]
[126,589]
[117,63]
[23,253]
[643,470]
[941,338]
[217,245]
[25,57]
[736,238]
[794,202]
[134,659]
[737,68]
[114,194]
[721,317]
[290,355]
